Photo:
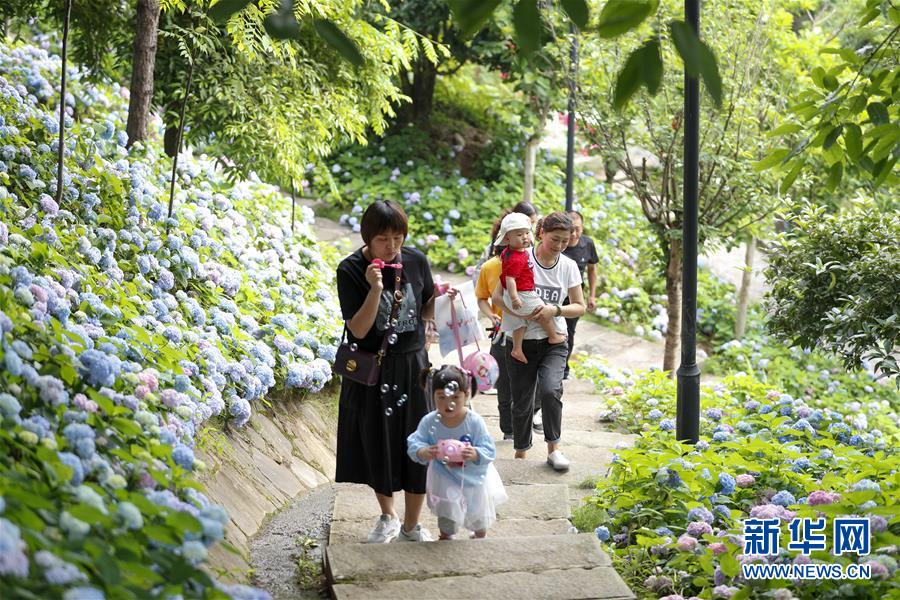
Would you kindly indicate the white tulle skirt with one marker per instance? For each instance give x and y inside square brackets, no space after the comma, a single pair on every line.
[470,506]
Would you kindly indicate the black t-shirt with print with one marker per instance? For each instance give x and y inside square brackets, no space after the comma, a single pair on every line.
[418,287]
[583,253]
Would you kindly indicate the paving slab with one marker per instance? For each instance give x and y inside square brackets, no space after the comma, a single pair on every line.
[601,583]
[357,503]
[380,562]
[355,532]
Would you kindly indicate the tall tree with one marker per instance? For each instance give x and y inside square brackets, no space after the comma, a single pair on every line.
[848,115]
[143,64]
[732,196]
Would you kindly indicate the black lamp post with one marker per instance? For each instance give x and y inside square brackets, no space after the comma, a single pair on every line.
[687,421]
[570,142]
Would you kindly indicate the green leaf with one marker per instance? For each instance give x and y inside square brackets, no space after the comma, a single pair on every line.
[832,137]
[878,113]
[184,522]
[577,11]
[161,534]
[68,374]
[834,176]
[127,426]
[643,66]
[853,140]
[527,22]
[772,159]
[698,58]
[729,564]
[784,129]
[472,14]
[88,514]
[222,10]
[789,179]
[338,40]
[620,16]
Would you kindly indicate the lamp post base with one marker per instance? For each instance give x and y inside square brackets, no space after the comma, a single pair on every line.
[687,421]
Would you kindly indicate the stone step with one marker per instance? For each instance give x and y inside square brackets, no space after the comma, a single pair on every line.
[492,567]
[354,532]
[547,506]
[599,583]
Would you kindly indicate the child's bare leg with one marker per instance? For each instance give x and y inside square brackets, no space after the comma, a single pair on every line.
[518,335]
[480,534]
[553,336]
[445,536]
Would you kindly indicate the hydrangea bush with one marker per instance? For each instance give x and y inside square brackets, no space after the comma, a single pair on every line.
[670,513]
[123,332]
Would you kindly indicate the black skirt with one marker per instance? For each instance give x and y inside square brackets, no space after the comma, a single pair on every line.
[373,426]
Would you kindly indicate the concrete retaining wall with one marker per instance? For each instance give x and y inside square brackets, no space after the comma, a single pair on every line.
[255,471]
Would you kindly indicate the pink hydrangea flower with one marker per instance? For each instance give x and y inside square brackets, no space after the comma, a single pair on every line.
[718,548]
[772,395]
[686,543]
[149,379]
[822,497]
[745,480]
[141,391]
[771,511]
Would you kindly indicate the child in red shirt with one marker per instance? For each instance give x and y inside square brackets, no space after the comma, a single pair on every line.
[517,278]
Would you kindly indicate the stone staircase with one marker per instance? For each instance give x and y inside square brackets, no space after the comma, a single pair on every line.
[530,551]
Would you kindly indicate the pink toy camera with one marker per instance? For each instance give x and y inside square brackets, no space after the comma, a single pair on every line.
[451,450]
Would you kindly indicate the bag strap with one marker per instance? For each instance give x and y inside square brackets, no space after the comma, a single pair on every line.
[395,308]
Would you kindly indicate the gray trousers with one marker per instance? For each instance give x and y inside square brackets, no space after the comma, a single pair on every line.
[538,381]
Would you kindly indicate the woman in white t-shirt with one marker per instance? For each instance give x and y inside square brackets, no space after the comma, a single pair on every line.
[540,380]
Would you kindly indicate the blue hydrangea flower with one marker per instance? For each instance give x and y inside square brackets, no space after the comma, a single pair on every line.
[784,498]
[726,484]
[667,424]
[99,368]
[183,456]
[602,533]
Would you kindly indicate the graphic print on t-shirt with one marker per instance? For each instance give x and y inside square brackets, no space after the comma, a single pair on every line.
[405,322]
[550,294]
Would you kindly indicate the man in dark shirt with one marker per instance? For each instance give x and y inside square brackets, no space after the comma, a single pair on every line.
[581,249]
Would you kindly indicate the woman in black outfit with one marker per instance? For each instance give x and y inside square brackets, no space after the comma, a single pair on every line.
[374,422]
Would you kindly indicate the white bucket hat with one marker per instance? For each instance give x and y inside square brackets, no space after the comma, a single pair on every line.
[509,223]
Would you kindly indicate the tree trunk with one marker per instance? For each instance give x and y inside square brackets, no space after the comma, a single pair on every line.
[145,38]
[673,292]
[531,148]
[740,319]
[420,90]
[61,151]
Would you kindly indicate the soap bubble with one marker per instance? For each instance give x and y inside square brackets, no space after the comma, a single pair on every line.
[394,322]
[412,312]
[448,391]
[445,460]
[388,411]
[392,339]
[394,387]
[432,430]
[384,388]
[353,347]
[453,406]
[404,397]
[573,530]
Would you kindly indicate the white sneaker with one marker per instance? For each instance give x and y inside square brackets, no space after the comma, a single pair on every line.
[558,461]
[418,534]
[386,529]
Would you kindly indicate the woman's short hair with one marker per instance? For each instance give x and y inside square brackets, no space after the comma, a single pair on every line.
[383,216]
[556,221]
[524,207]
